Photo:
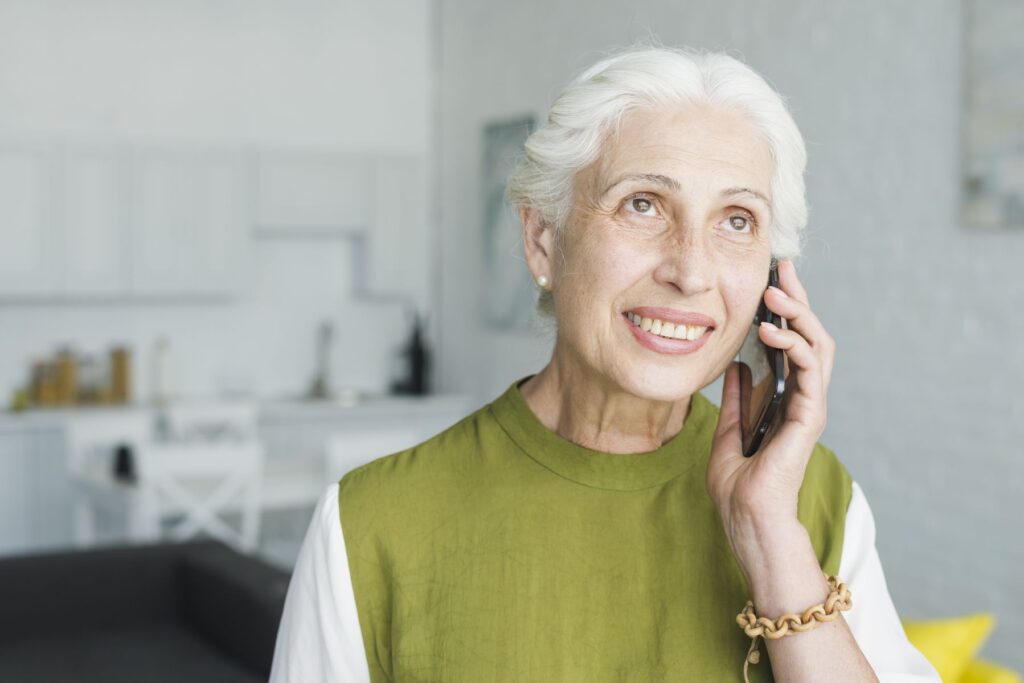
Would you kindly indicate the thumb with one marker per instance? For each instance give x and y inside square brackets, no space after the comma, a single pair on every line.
[727,434]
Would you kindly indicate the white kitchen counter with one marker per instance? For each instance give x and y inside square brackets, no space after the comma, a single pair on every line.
[366,405]
[36,486]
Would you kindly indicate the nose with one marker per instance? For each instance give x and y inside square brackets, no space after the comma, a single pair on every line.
[686,264]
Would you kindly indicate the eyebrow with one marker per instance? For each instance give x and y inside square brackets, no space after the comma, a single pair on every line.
[674,185]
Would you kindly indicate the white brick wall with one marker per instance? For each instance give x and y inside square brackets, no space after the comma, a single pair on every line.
[925,405]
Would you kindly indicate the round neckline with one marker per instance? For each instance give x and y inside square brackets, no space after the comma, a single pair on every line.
[600,469]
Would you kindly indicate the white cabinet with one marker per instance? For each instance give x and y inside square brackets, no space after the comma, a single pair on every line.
[306,193]
[94,220]
[30,244]
[35,491]
[51,502]
[15,495]
[116,221]
[400,244]
[380,203]
[188,223]
[89,221]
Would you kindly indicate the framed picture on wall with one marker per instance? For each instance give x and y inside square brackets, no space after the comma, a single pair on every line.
[992,195]
[508,296]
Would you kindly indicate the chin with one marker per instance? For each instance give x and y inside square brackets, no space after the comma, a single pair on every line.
[659,385]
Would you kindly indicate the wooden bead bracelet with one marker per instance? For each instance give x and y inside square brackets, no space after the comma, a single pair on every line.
[838,599]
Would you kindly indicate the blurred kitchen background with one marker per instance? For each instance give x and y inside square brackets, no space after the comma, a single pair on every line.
[264,239]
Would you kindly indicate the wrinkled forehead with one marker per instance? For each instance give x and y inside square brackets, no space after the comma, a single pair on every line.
[705,149]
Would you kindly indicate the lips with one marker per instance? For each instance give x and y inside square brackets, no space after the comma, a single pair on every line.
[670,347]
[674,316]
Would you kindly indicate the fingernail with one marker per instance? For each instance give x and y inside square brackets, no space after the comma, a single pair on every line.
[776,289]
[768,326]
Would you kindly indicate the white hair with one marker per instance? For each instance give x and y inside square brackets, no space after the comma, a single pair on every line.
[591,107]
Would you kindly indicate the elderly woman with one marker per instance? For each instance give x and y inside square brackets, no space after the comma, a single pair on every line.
[597,521]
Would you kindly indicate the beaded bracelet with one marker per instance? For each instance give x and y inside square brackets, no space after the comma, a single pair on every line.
[839,599]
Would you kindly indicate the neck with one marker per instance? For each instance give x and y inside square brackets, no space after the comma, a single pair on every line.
[584,407]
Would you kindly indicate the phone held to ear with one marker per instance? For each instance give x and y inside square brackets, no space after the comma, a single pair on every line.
[763,373]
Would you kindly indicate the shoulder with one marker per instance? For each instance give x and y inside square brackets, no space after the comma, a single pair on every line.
[402,477]
[389,466]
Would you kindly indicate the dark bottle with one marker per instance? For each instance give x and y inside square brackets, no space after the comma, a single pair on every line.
[124,464]
[417,363]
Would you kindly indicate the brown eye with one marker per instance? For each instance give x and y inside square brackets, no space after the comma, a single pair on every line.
[641,205]
[741,223]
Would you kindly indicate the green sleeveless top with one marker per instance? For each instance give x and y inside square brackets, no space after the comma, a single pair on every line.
[499,551]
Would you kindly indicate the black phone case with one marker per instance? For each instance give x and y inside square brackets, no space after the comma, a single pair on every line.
[776,357]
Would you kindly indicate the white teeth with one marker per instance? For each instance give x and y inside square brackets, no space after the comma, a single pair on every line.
[667,330]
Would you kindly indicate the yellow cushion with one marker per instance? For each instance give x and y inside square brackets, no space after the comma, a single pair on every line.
[981,671]
[950,644]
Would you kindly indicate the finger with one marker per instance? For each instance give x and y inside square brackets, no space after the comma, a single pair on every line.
[790,283]
[808,404]
[791,448]
[801,318]
[727,444]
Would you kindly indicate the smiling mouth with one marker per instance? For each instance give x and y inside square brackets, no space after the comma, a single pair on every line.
[666,330]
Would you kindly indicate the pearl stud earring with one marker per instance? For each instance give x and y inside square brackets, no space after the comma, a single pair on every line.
[542,280]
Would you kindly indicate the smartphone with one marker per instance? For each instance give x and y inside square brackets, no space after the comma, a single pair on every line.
[763,373]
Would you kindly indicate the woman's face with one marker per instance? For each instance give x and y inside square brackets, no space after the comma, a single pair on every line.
[657,221]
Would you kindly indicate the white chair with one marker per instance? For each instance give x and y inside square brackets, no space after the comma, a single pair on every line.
[91,442]
[204,462]
[352,448]
[211,419]
[200,482]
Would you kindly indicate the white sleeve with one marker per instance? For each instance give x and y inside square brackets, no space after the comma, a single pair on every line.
[319,637]
[873,618]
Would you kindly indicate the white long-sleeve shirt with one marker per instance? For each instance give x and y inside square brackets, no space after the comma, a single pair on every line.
[319,638]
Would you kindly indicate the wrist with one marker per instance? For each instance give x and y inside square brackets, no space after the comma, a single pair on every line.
[763,547]
[781,569]
[754,535]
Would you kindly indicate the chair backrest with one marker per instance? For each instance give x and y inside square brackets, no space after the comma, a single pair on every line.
[211,419]
[91,439]
[204,481]
[352,448]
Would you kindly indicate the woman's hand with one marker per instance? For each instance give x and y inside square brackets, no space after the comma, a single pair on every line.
[760,492]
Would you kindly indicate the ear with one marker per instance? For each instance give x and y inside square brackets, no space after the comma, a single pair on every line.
[538,243]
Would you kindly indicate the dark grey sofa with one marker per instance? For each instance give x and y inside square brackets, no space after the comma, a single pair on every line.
[163,613]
